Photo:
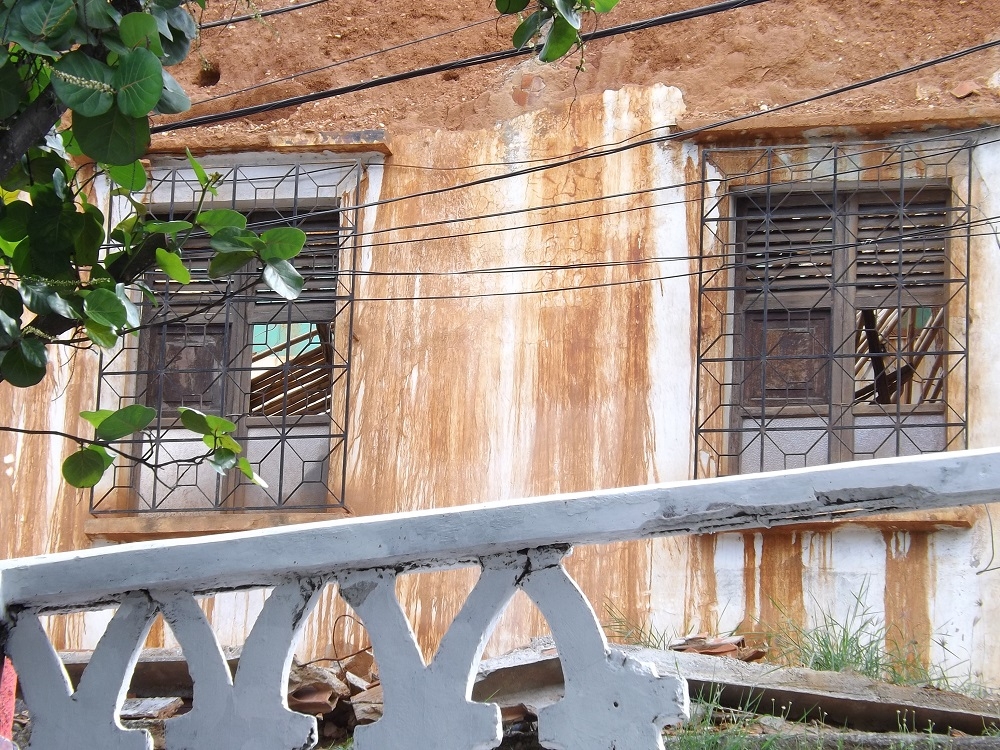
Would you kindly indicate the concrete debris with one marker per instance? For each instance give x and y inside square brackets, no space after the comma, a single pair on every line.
[135,709]
[368,705]
[733,645]
[964,89]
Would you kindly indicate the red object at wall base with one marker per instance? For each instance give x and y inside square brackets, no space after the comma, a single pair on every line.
[8,688]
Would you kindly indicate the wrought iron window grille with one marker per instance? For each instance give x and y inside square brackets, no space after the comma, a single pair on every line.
[233,348]
[832,306]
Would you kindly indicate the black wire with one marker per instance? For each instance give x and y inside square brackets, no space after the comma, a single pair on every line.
[255,16]
[949,149]
[623,147]
[616,196]
[349,60]
[442,67]
[728,266]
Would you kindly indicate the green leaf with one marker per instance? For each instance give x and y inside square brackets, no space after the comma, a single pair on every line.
[103,307]
[71,144]
[83,84]
[218,218]
[561,39]
[95,14]
[139,81]
[172,265]
[112,138]
[87,245]
[36,296]
[282,243]
[175,50]
[194,420]
[132,176]
[508,7]
[182,22]
[173,99]
[52,230]
[199,172]
[225,264]
[222,460]
[10,302]
[123,422]
[43,300]
[131,311]
[221,442]
[12,90]
[158,11]
[227,442]
[84,468]
[10,327]
[529,28]
[33,351]
[113,42]
[96,417]
[140,30]
[102,335]
[245,467]
[47,18]
[20,365]
[567,10]
[168,227]
[604,6]
[14,224]
[283,279]
[235,240]
[219,425]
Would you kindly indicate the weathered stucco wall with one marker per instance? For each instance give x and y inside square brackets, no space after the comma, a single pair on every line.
[522,391]
[470,387]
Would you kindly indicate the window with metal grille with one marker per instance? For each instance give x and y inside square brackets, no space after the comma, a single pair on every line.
[824,311]
[233,348]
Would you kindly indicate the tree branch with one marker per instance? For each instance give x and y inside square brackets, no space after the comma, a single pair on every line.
[28,129]
[82,442]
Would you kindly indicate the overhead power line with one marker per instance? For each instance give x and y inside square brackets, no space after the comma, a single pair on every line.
[468,62]
[255,16]
[988,224]
[949,148]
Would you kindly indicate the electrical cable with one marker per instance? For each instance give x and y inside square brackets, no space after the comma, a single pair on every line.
[468,62]
[255,16]
[963,227]
[685,133]
[616,196]
[926,153]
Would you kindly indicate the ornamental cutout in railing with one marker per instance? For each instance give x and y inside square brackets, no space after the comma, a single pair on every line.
[611,700]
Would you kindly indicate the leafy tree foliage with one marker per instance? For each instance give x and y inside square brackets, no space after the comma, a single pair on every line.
[66,278]
[555,23]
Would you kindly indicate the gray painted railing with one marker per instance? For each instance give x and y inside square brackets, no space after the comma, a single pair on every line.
[611,700]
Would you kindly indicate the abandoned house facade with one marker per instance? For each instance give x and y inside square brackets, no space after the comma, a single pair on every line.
[573,283]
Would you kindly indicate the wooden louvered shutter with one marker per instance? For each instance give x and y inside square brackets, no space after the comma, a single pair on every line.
[787,242]
[899,248]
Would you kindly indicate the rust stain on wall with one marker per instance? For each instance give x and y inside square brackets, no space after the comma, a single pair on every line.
[909,589]
[701,601]
[779,572]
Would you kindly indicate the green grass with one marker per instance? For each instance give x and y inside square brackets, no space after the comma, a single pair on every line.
[858,642]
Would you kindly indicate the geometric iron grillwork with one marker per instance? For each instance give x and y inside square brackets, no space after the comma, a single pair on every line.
[233,348]
[832,306]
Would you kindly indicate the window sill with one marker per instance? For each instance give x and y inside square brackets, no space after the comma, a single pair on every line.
[150,526]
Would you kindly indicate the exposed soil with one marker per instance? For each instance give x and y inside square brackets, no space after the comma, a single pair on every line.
[728,63]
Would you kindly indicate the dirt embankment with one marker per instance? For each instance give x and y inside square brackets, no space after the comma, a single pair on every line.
[728,63]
